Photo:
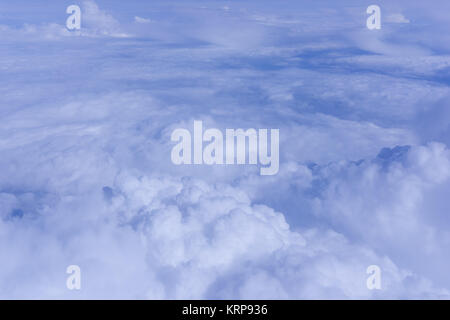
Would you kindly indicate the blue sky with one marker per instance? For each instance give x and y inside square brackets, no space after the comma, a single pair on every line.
[86,177]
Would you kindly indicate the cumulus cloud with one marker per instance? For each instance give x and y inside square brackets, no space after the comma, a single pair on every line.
[99,22]
[390,203]
[187,239]
[96,23]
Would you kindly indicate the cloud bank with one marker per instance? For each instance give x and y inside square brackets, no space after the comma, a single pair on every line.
[86,177]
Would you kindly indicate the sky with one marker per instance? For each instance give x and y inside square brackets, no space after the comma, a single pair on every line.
[86,176]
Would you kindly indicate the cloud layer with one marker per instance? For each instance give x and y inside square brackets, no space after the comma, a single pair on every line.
[86,175]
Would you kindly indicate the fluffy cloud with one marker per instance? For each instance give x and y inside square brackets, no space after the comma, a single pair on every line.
[183,238]
[96,23]
[394,203]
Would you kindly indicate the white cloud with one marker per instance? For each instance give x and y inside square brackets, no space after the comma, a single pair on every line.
[392,204]
[141,20]
[397,18]
[95,23]
[170,238]
[86,172]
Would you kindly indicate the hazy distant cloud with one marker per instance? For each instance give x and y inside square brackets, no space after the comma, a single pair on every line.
[95,23]
[141,20]
[99,21]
